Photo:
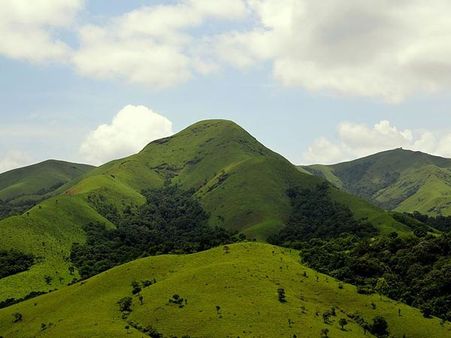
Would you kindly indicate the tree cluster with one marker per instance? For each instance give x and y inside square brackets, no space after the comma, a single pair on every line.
[416,271]
[13,261]
[171,221]
[315,215]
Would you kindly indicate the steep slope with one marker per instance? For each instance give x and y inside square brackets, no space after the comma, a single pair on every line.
[228,293]
[23,187]
[240,183]
[400,180]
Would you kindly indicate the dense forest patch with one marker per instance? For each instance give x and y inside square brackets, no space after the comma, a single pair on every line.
[415,270]
[171,221]
[13,261]
[316,215]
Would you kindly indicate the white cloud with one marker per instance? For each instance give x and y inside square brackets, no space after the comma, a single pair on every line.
[357,140]
[385,49]
[13,159]
[26,28]
[388,49]
[130,130]
[153,45]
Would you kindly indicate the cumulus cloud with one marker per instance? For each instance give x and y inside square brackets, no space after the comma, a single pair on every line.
[357,140]
[13,159]
[388,50]
[26,28]
[154,45]
[130,130]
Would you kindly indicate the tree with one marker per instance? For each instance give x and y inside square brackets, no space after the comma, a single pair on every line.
[17,317]
[281,295]
[325,333]
[379,327]
[381,286]
[343,322]
[136,287]
[125,304]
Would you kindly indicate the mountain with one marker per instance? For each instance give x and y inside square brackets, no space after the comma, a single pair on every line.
[240,183]
[22,188]
[398,179]
[229,291]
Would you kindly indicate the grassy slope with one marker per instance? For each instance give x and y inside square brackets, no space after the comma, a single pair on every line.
[243,283]
[39,180]
[239,181]
[399,179]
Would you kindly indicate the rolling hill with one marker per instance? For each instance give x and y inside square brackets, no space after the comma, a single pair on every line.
[399,179]
[239,182]
[23,187]
[225,292]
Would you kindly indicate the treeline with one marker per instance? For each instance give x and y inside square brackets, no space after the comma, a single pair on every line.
[13,261]
[415,270]
[10,209]
[442,223]
[315,215]
[171,221]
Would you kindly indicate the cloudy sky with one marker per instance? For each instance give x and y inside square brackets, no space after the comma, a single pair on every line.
[317,81]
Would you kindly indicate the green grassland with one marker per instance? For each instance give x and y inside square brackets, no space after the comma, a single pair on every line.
[400,180]
[242,282]
[39,180]
[240,183]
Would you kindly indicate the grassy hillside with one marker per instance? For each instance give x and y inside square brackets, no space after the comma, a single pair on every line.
[240,183]
[228,295]
[39,180]
[400,180]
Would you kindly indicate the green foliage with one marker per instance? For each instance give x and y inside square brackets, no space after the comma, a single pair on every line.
[281,295]
[172,220]
[316,215]
[379,327]
[13,261]
[416,271]
[342,322]
[442,223]
[249,275]
[125,304]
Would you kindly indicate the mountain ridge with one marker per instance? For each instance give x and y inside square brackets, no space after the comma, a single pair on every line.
[398,179]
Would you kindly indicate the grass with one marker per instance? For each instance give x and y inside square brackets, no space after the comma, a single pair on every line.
[39,180]
[400,180]
[240,183]
[243,283]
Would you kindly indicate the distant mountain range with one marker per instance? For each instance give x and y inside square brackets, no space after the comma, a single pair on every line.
[398,179]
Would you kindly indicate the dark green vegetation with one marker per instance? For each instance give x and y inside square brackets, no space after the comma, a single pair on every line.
[414,270]
[240,184]
[12,262]
[316,215]
[400,180]
[225,294]
[21,189]
[442,223]
[171,221]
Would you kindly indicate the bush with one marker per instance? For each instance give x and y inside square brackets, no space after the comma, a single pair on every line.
[379,327]
[125,304]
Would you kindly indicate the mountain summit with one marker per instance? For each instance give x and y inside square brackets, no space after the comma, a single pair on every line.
[401,180]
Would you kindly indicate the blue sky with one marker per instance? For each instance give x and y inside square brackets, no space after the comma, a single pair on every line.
[234,60]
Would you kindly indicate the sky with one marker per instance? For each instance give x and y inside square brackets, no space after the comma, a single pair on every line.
[317,81]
